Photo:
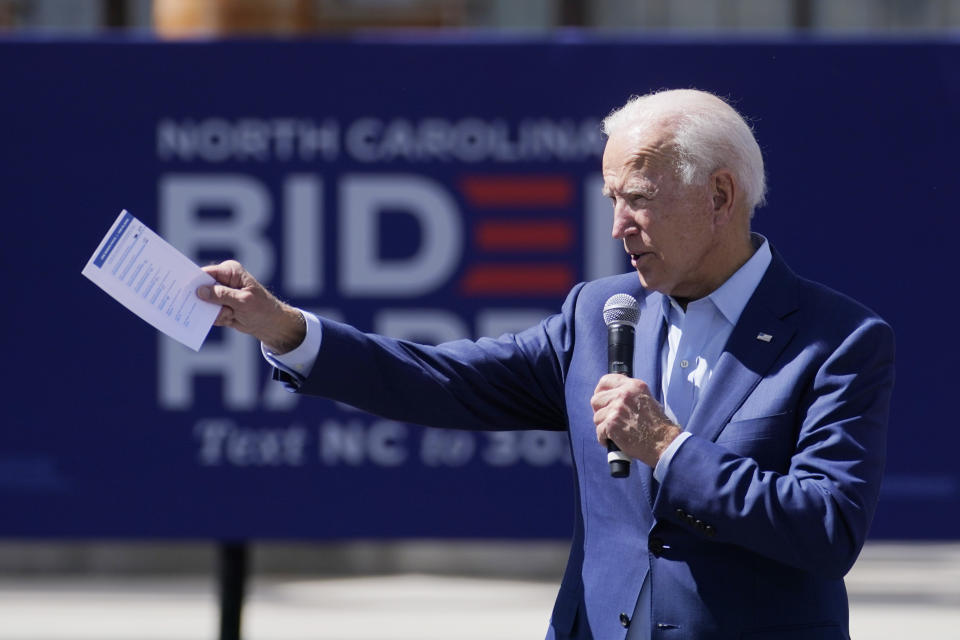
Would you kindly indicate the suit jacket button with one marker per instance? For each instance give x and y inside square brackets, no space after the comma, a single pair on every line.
[624,620]
[681,514]
[709,530]
[691,520]
[655,545]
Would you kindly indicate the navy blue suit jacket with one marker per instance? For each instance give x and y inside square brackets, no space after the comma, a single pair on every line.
[764,508]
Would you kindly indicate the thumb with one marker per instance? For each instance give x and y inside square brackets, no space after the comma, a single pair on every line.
[228,272]
[217,294]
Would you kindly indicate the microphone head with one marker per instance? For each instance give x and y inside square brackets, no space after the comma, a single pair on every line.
[621,308]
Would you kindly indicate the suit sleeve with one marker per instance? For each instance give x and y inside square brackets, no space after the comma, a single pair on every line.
[816,514]
[513,382]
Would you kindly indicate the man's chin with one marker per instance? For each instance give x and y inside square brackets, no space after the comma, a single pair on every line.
[651,285]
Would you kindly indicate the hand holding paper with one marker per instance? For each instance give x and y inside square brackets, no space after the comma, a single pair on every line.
[248,307]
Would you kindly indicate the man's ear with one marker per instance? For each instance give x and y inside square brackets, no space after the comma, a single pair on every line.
[723,193]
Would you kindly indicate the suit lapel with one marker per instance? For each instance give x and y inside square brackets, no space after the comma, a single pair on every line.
[646,367]
[758,339]
[646,351]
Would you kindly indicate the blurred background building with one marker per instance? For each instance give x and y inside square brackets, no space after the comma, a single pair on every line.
[178,18]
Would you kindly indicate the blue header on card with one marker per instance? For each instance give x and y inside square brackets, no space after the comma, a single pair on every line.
[114,238]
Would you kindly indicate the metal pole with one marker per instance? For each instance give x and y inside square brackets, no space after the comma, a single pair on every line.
[232,577]
[803,15]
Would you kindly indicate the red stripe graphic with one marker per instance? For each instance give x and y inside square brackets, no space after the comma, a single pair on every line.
[524,235]
[517,191]
[523,279]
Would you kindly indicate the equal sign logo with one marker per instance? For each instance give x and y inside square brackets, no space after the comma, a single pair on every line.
[522,246]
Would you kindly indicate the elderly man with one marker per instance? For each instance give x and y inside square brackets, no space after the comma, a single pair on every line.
[757,413]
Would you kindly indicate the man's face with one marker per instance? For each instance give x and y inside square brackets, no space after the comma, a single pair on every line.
[666,227]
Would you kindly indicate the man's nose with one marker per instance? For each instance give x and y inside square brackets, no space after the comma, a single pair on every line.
[623,223]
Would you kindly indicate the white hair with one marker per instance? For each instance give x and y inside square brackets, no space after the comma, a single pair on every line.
[707,133]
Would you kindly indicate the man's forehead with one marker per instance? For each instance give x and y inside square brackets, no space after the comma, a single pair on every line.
[653,139]
[633,154]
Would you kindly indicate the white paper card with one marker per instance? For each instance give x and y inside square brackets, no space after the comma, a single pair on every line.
[148,276]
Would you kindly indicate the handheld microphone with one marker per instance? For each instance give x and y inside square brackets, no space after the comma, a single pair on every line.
[621,313]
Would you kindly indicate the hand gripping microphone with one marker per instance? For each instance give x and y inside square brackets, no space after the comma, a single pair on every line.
[620,313]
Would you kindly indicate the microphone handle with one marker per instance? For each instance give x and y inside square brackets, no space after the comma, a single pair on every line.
[618,460]
[619,360]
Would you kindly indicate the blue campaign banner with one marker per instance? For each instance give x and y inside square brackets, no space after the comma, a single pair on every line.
[430,188]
